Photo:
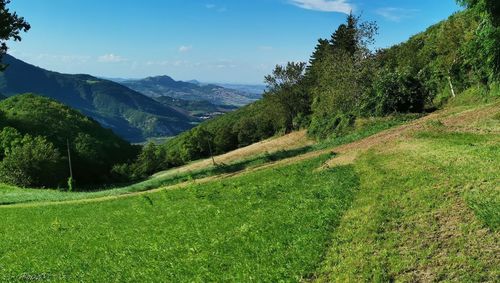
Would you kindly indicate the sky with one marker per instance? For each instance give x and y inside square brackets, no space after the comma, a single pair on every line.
[226,41]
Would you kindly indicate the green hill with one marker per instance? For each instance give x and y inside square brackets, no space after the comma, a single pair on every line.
[393,177]
[128,113]
[94,149]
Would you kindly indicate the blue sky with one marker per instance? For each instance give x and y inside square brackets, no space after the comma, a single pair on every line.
[236,41]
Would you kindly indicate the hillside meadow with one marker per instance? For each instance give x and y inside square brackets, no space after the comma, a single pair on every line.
[419,203]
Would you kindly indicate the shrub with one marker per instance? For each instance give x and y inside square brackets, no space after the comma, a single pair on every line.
[398,92]
[35,162]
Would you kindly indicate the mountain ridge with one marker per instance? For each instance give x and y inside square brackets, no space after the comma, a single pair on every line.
[159,86]
[129,113]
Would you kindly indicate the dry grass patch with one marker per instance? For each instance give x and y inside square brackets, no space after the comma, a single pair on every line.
[291,141]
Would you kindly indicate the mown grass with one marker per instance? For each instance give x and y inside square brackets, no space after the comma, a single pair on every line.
[427,210]
[15,195]
[364,128]
[271,225]
[422,207]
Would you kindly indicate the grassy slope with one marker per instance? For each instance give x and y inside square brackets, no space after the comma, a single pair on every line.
[417,203]
[249,158]
[270,225]
[428,208]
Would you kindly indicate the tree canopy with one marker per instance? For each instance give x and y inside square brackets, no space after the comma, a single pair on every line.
[11,26]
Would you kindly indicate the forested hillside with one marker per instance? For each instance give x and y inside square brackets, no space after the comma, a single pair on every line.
[36,134]
[346,80]
[128,113]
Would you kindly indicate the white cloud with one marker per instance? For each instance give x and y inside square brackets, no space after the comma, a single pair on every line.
[341,6]
[265,48]
[396,14]
[111,58]
[185,49]
[220,9]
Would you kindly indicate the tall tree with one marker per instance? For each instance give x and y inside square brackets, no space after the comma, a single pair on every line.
[342,76]
[322,50]
[11,25]
[286,91]
[345,37]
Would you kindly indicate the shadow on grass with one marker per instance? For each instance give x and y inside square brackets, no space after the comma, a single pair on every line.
[218,169]
[258,160]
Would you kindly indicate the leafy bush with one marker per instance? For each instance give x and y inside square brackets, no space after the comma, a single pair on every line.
[398,92]
[32,162]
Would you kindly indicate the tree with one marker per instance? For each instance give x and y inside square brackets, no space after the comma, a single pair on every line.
[287,93]
[345,38]
[11,25]
[398,92]
[149,160]
[322,49]
[486,48]
[9,138]
[34,162]
[342,77]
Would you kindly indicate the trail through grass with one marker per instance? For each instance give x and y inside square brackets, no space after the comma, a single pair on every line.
[428,208]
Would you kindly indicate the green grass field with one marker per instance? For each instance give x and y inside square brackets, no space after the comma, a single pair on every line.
[271,225]
[422,206]
[14,195]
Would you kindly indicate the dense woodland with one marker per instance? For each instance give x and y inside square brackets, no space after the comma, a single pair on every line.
[344,80]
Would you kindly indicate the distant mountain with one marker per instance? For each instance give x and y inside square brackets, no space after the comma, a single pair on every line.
[192,91]
[128,113]
[202,110]
[256,89]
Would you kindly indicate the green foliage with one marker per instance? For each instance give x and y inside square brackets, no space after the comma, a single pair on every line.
[323,127]
[9,138]
[70,184]
[485,48]
[286,94]
[31,162]
[94,150]
[11,25]
[343,77]
[397,92]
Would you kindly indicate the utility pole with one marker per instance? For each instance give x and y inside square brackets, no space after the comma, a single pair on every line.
[451,87]
[69,160]
[211,153]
